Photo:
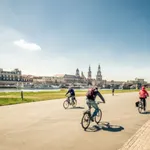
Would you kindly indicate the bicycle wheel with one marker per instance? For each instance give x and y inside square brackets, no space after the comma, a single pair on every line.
[75,103]
[85,122]
[140,107]
[98,117]
[66,104]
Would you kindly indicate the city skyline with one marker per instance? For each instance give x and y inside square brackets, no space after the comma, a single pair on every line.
[80,72]
[55,37]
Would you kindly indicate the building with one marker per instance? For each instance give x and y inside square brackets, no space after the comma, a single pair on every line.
[14,78]
[14,75]
[71,79]
[99,81]
[78,79]
[137,80]
[83,77]
[113,84]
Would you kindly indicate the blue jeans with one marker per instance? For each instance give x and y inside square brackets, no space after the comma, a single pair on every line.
[94,105]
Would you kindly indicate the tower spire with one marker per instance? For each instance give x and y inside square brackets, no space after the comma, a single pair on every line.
[99,67]
[89,73]
[99,76]
[82,75]
[77,72]
[89,68]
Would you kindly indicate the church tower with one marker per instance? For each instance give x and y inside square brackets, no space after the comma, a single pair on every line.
[89,78]
[77,73]
[99,76]
[82,75]
[89,73]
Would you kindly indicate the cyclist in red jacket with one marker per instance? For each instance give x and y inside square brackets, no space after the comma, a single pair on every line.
[143,94]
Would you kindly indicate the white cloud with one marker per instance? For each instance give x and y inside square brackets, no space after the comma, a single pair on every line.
[26,45]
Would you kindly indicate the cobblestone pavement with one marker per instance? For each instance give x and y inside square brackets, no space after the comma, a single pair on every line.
[140,140]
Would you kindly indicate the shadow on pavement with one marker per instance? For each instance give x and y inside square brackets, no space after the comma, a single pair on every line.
[106,126]
[77,107]
[146,112]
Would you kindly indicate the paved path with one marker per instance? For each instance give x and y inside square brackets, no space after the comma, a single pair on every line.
[48,126]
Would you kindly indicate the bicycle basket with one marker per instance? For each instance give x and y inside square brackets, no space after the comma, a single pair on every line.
[137,104]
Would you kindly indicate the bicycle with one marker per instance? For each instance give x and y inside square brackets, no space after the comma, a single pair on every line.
[68,102]
[87,117]
[140,106]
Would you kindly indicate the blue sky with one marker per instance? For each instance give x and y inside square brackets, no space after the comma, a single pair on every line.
[46,37]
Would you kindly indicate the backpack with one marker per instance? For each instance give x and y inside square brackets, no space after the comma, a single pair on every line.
[90,94]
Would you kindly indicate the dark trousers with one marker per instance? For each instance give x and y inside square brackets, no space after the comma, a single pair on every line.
[72,97]
[144,102]
[113,93]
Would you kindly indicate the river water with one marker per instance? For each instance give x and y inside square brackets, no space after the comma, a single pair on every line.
[25,90]
[35,90]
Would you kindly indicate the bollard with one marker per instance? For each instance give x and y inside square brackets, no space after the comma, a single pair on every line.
[22,95]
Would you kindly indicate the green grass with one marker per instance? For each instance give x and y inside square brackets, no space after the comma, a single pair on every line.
[9,98]
[11,101]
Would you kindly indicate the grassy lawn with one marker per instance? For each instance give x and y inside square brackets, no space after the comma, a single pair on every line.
[9,98]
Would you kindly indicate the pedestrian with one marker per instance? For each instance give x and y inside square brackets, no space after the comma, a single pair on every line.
[113,90]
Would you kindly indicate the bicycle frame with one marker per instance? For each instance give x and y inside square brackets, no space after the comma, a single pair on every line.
[69,100]
[90,107]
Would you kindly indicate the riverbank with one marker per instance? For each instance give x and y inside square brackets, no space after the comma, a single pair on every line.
[9,98]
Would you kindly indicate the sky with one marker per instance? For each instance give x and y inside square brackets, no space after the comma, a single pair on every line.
[48,37]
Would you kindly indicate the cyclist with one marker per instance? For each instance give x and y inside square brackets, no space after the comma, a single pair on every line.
[143,94]
[72,94]
[90,100]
